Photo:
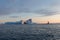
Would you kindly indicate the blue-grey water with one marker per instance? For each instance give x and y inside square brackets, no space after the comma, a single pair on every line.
[30,32]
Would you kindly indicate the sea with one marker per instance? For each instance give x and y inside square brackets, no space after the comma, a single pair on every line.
[30,32]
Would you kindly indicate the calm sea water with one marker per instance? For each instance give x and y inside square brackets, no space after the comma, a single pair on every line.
[30,32]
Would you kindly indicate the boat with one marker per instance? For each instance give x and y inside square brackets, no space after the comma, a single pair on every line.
[48,22]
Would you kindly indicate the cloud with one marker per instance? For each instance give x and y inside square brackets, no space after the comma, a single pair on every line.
[13,16]
[46,12]
[15,6]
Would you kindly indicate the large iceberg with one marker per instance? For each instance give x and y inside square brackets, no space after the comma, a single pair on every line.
[29,21]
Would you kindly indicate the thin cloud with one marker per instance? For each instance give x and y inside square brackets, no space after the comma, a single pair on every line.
[13,16]
[19,6]
[46,12]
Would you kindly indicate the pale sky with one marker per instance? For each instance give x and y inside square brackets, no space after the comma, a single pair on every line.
[39,11]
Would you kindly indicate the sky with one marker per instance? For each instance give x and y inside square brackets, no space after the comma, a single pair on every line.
[40,11]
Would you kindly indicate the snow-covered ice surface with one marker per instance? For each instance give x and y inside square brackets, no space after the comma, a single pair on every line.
[30,32]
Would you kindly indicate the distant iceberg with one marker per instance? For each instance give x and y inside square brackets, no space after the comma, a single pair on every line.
[29,21]
[19,22]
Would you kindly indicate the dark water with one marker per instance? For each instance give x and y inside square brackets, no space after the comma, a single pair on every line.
[30,32]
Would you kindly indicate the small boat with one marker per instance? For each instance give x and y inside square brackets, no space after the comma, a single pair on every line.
[48,22]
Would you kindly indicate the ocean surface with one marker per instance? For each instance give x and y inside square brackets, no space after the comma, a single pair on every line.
[30,32]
